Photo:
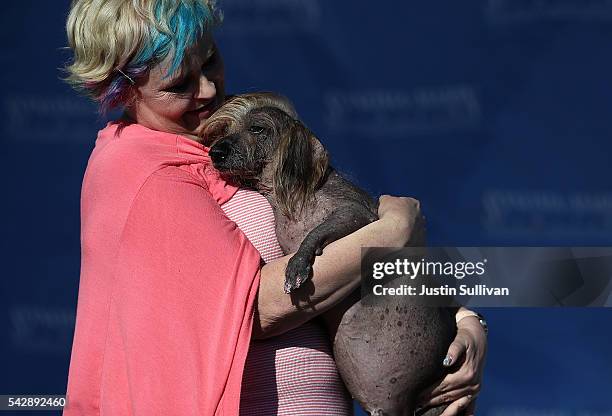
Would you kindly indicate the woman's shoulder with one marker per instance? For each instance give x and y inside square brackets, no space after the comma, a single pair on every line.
[129,151]
[123,160]
[134,146]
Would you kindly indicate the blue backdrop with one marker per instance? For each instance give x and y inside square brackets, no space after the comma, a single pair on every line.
[494,113]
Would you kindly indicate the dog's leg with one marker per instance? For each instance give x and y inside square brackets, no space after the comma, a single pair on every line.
[340,223]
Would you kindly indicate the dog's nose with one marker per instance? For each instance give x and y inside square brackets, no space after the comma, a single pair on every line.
[219,151]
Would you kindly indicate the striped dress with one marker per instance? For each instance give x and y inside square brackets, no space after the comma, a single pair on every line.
[294,373]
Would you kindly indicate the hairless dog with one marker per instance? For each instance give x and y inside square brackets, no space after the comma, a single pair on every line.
[386,353]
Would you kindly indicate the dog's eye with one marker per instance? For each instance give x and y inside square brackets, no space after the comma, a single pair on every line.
[256,129]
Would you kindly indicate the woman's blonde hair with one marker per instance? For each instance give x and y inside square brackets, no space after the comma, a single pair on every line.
[115,42]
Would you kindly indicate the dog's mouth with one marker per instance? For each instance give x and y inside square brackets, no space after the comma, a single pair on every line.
[234,164]
[222,161]
[237,178]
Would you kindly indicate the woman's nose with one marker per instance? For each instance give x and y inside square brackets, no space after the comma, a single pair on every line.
[206,89]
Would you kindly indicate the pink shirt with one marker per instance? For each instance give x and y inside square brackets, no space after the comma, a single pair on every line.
[293,373]
[167,284]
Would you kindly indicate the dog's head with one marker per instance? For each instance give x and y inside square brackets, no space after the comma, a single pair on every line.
[257,141]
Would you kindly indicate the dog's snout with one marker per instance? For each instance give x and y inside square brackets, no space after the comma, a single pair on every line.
[219,152]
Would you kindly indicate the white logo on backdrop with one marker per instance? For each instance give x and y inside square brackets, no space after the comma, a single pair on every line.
[547,213]
[269,16]
[424,110]
[41,328]
[43,118]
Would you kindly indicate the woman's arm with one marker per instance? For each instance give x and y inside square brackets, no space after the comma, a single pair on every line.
[336,273]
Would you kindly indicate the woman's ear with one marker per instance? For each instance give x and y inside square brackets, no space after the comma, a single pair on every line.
[302,164]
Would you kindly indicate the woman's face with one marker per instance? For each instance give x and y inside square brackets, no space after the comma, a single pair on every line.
[181,102]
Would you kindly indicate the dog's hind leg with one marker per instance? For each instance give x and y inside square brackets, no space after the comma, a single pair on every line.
[341,222]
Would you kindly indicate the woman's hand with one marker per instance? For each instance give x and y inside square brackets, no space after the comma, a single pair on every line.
[465,359]
[406,223]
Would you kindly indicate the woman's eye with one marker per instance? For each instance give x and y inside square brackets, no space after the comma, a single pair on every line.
[256,129]
[180,87]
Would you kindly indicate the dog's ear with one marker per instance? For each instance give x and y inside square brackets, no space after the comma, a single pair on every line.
[301,167]
[320,161]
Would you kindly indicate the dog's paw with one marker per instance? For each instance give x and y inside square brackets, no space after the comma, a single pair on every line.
[298,271]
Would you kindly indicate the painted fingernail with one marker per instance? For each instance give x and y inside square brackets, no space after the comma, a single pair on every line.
[448,360]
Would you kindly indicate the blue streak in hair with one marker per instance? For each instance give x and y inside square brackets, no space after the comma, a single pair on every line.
[188,23]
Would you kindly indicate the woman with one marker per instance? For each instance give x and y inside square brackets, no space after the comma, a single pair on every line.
[171,291]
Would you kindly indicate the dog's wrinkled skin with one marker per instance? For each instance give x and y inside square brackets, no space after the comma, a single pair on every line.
[387,353]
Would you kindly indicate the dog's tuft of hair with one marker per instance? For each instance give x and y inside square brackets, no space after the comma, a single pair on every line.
[301,162]
[235,109]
